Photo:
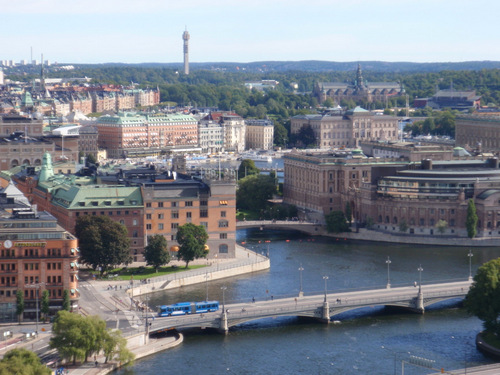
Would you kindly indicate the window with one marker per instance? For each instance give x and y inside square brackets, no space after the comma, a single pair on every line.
[223,236]
[148,204]
[160,226]
[188,215]
[160,204]
[174,225]
[148,226]
[148,216]
[203,213]
[223,223]
[188,203]
[203,203]
[175,214]
[223,249]
[173,204]
[160,216]
[223,214]
[204,224]
[134,222]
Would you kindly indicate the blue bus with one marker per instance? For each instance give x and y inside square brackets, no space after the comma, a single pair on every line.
[184,308]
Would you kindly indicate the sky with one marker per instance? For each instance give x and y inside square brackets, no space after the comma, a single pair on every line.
[135,31]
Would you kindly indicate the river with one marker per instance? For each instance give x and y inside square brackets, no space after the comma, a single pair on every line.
[368,341]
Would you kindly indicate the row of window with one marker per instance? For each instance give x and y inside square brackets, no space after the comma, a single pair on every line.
[175,215]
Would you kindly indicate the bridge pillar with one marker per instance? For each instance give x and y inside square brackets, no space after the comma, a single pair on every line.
[223,323]
[325,314]
[420,302]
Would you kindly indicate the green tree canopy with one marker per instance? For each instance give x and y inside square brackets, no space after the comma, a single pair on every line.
[66,303]
[483,298]
[280,134]
[247,168]
[23,362]
[471,220]
[192,240]
[156,252]
[254,191]
[19,305]
[76,337]
[45,304]
[104,243]
[336,222]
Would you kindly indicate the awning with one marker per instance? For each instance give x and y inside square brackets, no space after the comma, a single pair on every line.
[72,291]
[174,248]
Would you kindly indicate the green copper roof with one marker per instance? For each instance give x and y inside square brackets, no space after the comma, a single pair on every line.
[98,197]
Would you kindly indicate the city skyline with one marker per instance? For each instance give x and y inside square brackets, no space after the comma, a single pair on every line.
[221,31]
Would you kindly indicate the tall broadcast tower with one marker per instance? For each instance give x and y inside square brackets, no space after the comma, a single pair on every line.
[185,37]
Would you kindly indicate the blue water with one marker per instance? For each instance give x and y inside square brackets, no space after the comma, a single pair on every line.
[370,341]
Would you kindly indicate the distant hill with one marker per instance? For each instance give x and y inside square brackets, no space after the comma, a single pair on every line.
[323,66]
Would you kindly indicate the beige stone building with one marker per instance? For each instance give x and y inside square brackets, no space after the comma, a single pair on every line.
[259,134]
[478,132]
[347,130]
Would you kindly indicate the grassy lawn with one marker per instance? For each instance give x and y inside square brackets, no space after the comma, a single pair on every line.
[248,215]
[491,339]
[140,273]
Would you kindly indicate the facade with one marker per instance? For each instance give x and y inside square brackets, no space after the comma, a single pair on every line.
[87,142]
[145,200]
[132,134]
[259,134]
[459,100]
[36,254]
[478,132]
[347,130]
[396,195]
[359,90]
[211,137]
[233,129]
[173,200]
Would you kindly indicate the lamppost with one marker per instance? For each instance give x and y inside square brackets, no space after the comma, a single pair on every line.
[301,293]
[420,269]
[36,286]
[470,255]
[223,299]
[325,278]
[206,278]
[388,262]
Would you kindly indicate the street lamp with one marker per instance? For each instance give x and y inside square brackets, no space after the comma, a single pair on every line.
[36,286]
[207,277]
[223,299]
[420,269]
[470,255]
[325,278]
[388,262]
[301,293]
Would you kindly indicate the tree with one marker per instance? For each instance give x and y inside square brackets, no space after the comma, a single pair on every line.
[22,361]
[483,298]
[45,307]
[348,212]
[336,222]
[247,168]
[403,226]
[103,242]
[90,159]
[441,226]
[66,302]
[471,220]
[306,136]
[156,252]
[254,192]
[19,305]
[280,134]
[71,335]
[192,240]
[77,337]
